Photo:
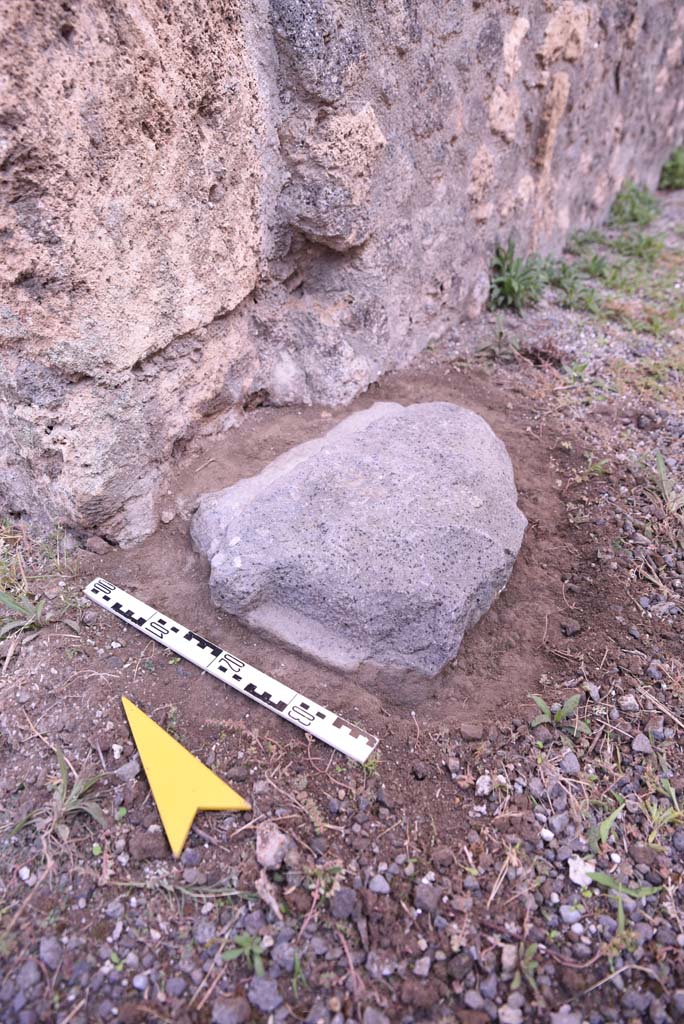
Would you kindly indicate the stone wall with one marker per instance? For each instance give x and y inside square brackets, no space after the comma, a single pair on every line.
[210,204]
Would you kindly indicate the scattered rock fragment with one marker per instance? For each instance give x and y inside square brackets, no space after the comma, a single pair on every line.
[176,986]
[473,1000]
[29,974]
[592,690]
[427,897]
[483,785]
[114,909]
[128,771]
[510,1014]
[343,903]
[472,731]
[379,885]
[641,744]
[559,822]
[371,1015]
[230,1010]
[442,857]
[568,914]
[147,846]
[569,764]
[203,931]
[580,871]
[263,994]
[566,1015]
[50,951]
[271,846]
[421,968]
[509,957]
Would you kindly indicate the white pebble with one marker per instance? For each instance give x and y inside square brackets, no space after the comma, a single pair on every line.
[580,870]
[483,786]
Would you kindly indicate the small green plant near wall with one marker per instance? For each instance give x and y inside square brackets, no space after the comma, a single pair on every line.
[636,245]
[514,282]
[637,273]
[633,205]
[672,174]
[566,279]
[24,614]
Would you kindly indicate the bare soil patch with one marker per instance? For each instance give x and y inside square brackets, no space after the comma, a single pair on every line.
[501,659]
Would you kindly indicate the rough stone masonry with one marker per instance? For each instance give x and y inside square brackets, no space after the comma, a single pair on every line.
[210,204]
[382,541]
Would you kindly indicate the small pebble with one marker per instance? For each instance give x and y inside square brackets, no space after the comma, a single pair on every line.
[641,744]
[569,915]
[263,994]
[421,968]
[483,786]
[569,764]
[510,1014]
[472,731]
[473,1000]
[50,951]
[230,1010]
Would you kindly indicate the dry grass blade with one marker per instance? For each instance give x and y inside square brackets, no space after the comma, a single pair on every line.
[509,860]
[661,707]
[672,496]
[615,974]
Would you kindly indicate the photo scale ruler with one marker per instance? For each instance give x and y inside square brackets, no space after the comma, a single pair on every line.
[287,703]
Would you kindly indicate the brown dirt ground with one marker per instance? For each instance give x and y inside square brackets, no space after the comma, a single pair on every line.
[501,659]
[517,643]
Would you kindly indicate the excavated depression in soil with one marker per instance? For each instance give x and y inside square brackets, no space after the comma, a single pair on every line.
[500,660]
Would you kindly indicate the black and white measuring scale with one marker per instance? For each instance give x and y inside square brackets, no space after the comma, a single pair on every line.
[287,703]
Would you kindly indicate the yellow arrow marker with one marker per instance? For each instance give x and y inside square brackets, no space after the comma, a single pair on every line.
[181,785]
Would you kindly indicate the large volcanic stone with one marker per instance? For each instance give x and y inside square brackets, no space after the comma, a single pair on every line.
[382,541]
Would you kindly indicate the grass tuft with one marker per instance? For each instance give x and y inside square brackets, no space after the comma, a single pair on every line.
[250,949]
[68,801]
[27,615]
[563,718]
[515,282]
[633,205]
[672,174]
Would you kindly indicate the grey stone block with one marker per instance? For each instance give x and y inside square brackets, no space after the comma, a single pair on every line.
[382,541]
